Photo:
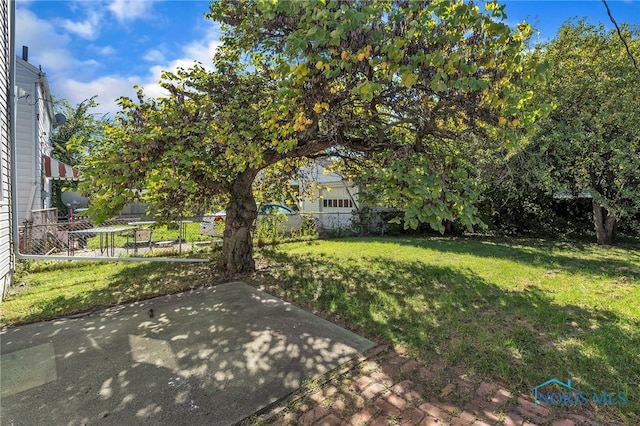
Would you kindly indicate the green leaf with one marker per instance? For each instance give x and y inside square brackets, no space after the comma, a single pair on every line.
[409,79]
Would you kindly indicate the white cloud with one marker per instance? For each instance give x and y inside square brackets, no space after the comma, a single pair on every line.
[45,44]
[88,29]
[48,47]
[130,10]
[72,79]
[154,55]
[202,51]
[197,51]
[104,50]
[53,60]
[108,89]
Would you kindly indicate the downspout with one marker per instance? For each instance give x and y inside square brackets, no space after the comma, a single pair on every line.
[32,195]
[353,200]
[45,146]
[12,131]
[34,166]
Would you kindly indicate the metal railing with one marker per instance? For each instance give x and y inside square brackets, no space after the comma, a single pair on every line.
[136,237]
[334,223]
[118,237]
[363,222]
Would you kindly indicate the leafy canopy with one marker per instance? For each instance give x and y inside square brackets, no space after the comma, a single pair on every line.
[403,84]
[73,141]
[591,141]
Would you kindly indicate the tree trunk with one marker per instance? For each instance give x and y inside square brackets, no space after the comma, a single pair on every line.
[448,227]
[605,224]
[237,245]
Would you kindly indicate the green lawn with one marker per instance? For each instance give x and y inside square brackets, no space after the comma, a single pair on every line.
[160,232]
[49,289]
[519,312]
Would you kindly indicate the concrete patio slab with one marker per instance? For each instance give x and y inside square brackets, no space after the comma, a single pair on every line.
[210,356]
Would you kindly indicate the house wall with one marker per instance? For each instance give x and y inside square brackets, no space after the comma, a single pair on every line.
[335,203]
[328,197]
[6,242]
[33,132]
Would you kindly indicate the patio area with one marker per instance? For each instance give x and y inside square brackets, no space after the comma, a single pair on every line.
[46,234]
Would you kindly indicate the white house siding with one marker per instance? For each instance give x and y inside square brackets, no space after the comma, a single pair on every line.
[337,204]
[33,133]
[6,253]
[332,200]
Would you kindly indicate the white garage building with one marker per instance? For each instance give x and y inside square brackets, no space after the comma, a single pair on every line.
[325,195]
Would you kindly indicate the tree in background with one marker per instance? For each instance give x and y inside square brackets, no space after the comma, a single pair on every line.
[404,84]
[73,141]
[591,141]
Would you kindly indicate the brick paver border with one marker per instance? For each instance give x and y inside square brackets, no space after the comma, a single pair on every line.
[383,387]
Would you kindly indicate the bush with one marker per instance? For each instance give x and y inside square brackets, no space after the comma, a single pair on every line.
[537,215]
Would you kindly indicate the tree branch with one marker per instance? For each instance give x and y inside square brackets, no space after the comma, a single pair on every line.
[626,46]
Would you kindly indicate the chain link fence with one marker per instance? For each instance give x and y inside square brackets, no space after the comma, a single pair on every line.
[135,236]
[365,221]
[45,234]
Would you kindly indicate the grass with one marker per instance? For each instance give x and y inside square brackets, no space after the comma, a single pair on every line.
[49,290]
[265,234]
[518,312]
[161,232]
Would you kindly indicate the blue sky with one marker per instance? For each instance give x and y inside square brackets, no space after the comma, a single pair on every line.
[106,47]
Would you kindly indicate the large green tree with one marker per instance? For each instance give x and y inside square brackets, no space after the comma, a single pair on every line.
[73,140]
[403,81]
[591,141]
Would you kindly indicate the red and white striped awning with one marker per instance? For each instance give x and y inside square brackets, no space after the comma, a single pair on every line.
[54,169]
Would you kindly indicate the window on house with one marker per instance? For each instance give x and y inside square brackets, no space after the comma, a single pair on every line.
[338,203]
